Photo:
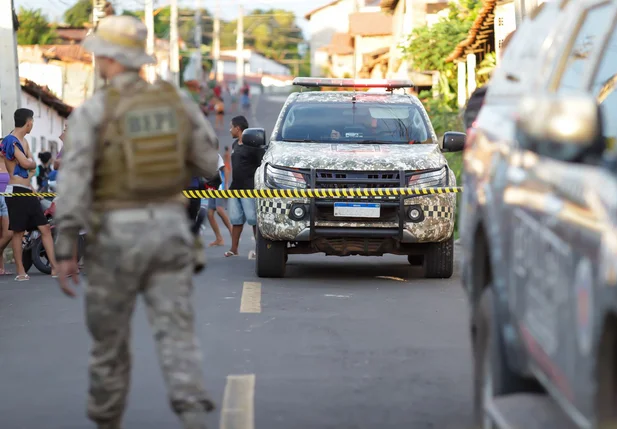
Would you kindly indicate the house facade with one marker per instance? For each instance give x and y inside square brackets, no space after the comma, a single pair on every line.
[346,36]
[495,21]
[407,15]
[67,68]
[372,33]
[324,22]
[50,115]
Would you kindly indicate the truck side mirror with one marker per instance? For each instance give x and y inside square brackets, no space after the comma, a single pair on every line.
[453,141]
[254,137]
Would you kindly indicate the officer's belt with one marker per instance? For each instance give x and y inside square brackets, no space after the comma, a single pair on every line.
[143,214]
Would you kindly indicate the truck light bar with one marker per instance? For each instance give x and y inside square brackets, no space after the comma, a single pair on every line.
[353,83]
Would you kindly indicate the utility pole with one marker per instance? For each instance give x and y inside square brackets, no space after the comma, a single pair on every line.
[198,72]
[10,89]
[216,43]
[174,49]
[240,48]
[149,18]
[98,13]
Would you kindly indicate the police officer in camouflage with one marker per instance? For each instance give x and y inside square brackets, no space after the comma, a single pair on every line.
[130,151]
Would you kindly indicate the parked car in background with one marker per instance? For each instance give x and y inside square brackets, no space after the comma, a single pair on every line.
[539,225]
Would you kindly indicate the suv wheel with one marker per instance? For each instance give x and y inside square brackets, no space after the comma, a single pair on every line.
[492,375]
[439,260]
[271,257]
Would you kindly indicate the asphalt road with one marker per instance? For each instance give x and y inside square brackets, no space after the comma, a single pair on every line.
[339,343]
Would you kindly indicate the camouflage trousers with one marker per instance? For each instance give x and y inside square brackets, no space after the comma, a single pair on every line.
[149,252]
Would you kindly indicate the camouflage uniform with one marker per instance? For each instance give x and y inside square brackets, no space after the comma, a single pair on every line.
[138,242]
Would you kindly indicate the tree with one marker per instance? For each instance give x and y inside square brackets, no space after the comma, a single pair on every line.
[427,47]
[34,29]
[79,14]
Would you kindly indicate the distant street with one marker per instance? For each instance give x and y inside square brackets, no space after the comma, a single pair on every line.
[340,343]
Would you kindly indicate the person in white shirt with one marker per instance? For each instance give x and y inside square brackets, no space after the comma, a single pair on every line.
[217,205]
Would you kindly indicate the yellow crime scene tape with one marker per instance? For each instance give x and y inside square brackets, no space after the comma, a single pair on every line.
[291,193]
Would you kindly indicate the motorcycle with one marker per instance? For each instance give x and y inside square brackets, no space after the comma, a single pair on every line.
[33,251]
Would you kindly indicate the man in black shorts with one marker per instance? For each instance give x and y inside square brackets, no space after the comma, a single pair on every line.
[25,213]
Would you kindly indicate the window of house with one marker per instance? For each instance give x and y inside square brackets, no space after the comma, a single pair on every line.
[590,34]
[34,148]
[500,21]
[43,144]
[53,148]
[603,88]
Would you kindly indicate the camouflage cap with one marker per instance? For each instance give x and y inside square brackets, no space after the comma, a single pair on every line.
[121,38]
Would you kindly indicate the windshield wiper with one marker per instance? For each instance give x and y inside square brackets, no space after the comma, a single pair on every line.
[376,142]
[298,140]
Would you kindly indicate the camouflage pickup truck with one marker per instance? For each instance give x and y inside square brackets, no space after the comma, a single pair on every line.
[355,139]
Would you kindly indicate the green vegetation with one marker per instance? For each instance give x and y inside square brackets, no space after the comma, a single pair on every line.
[79,14]
[426,48]
[34,29]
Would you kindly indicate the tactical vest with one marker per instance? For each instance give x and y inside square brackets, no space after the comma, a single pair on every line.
[143,147]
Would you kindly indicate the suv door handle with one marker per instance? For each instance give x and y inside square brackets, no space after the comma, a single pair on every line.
[512,78]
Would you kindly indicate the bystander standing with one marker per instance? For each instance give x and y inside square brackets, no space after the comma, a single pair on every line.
[7,235]
[217,206]
[244,162]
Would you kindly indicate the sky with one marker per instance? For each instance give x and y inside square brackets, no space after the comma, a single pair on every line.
[229,8]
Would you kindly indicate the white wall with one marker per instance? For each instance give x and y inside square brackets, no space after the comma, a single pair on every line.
[505,23]
[322,26]
[48,126]
[257,64]
[262,65]
[44,75]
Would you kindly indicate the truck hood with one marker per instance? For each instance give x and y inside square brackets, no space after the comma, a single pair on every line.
[368,157]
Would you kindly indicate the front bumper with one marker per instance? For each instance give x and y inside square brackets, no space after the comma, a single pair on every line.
[436,224]
[277,221]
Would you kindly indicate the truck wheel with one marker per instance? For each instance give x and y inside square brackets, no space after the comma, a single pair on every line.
[492,375]
[271,257]
[415,260]
[439,260]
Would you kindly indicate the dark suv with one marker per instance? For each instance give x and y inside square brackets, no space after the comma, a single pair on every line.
[538,225]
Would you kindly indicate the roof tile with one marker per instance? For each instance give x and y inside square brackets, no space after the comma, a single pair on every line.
[370,24]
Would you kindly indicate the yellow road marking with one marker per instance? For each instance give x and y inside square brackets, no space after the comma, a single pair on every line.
[238,411]
[251,298]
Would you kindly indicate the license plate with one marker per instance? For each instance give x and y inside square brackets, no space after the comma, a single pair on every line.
[370,210]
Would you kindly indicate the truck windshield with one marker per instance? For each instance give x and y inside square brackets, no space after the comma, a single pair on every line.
[361,122]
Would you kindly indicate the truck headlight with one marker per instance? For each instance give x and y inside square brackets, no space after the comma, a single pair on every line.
[432,179]
[278,178]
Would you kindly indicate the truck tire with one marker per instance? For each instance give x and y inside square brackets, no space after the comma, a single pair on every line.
[415,260]
[439,260]
[492,375]
[271,257]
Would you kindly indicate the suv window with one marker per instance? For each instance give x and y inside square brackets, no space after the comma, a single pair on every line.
[360,122]
[591,32]
[603,89]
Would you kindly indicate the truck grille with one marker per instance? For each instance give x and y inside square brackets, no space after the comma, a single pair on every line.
[356,179]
